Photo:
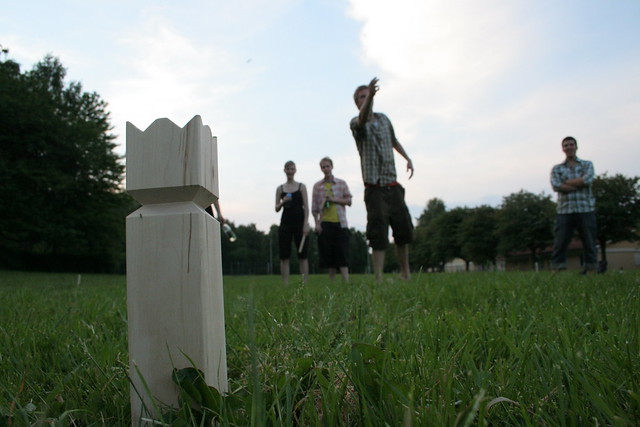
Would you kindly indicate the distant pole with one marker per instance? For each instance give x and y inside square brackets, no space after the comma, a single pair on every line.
[174,269]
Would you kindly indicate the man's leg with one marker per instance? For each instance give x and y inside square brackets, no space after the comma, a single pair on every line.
[588,234]
[377,259]
[561,240]
[402,253]
[377,227]
[402,226]
[341,253]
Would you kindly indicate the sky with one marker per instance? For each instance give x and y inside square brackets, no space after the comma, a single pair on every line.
[480,93]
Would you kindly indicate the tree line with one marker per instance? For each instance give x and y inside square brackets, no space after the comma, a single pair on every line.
[256,252]
[60,180]
[63,203]
[523,224]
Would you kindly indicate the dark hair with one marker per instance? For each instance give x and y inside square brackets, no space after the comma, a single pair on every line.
[288,163]
[355,94]
[327,159]
[570,138]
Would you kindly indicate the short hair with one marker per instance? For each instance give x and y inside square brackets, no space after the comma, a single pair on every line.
[361,87]
[289,163]
[327,159]
[570,138]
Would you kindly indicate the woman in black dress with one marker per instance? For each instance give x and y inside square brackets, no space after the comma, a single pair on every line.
[291,197]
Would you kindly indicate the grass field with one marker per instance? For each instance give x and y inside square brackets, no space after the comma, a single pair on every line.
[443,349]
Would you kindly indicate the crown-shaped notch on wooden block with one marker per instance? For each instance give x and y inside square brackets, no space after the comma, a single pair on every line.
[166,163]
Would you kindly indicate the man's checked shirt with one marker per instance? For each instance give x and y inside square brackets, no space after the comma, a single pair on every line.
[579,201]
[375,141]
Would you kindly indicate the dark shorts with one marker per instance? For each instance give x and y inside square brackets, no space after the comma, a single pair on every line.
[386,207]
[333,245]
[285,234]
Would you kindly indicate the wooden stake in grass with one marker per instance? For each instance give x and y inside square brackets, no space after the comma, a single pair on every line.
[304,237]
[174,269]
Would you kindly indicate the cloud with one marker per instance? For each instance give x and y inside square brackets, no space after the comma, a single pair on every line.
[437,56]
[171,75]
[439,62]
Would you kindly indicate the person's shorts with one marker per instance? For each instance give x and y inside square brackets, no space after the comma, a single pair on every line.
[333,245]
[285,234]
[386,207]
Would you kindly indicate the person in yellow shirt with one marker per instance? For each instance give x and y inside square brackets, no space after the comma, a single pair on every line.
[330,197]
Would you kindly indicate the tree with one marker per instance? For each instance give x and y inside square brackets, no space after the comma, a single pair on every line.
[444,231]
[249,254]
[60,181]
[478,237]
[525,223]
[390,259]
[421,254]
[617,209]
[435,208]
[358,252]
[436,236]
[273,248]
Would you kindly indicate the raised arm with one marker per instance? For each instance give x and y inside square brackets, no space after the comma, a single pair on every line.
[366,110]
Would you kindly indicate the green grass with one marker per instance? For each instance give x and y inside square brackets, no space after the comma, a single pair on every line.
[443,349]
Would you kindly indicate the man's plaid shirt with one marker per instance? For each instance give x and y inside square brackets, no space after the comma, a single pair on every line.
[340,190]
[375,141]
[579,201]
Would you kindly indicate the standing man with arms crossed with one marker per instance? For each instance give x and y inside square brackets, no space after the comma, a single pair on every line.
[383,195]
[576,207]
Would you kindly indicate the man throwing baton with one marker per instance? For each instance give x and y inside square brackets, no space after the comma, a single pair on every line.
[383,195]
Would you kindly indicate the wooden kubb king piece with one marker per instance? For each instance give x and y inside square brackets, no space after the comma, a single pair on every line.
[174,269]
